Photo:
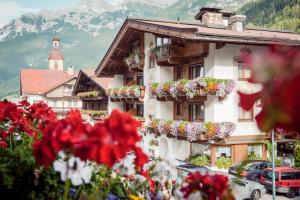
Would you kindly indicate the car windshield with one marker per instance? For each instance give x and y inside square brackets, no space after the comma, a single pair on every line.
[267,174]
[249,166]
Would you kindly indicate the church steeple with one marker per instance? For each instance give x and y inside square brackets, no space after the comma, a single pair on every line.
[56,59]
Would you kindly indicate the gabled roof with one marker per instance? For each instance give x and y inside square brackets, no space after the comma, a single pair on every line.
[197,32]
[103,83]
[40,81]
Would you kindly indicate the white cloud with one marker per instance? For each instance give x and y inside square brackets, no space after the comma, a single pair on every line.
[10,10]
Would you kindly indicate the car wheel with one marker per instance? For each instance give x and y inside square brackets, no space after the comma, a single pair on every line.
[291,193]
[255,195]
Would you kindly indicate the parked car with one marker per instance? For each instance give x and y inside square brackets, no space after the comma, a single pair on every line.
[251,169]
[246,189]
[287,180]
[185,168]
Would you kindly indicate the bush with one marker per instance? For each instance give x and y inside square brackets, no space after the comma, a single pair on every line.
[199,160]
[224,163]
[297,156]
[253,156]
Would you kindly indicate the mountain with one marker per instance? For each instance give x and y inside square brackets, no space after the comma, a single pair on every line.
[277,14]
[86,30]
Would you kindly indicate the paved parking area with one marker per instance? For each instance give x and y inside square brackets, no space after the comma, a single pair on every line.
[278,197]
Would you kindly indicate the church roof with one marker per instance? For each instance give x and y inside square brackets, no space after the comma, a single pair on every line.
[55,38]
[55,54]
[40,81]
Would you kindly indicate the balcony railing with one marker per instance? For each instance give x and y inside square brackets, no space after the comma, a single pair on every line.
[134,92]
[162,54]
[64,109]
[190,131]
[191,88]
[95,114]
[90,95]
[135,61]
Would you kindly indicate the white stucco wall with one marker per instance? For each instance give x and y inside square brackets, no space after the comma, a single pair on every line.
[116,82]
[220,64]
[31,98]
[60,64]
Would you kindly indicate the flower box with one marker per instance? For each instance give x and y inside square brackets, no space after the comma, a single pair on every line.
[90,94]
[192,88]
[133,91]
[192,131]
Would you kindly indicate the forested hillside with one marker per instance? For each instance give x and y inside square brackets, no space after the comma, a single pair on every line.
[277,14]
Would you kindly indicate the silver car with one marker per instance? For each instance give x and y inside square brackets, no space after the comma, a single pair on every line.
[245,189]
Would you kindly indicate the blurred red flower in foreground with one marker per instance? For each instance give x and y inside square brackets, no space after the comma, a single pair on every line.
[278,71]
[23,117]
[107,142]
[212,187]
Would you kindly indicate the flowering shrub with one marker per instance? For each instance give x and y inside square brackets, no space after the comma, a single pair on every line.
[88,94]
[277,70]
[133,91]
[199,160]
[191,88]
[47,157]
[224,163]
[192,130]
[206,186]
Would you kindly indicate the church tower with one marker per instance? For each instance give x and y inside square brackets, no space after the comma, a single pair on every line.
[56,59]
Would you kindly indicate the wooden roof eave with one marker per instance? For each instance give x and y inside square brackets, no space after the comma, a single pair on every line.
[74,91]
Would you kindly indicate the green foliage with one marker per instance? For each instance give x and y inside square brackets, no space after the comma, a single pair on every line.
[224,163]
[278,14]
[199,160]
[20,178]
[297,156]
[253,156]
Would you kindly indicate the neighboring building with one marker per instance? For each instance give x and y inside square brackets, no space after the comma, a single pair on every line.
[159,52]
[53,86]
[92,91]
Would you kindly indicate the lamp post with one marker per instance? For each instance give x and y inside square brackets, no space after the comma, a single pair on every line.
[273,166]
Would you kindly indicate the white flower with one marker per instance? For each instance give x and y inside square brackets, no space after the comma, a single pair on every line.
[163,171]
[74,169]
[126,165]
[18,137]
[195,196]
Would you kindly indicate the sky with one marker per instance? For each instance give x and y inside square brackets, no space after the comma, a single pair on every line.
[10,9]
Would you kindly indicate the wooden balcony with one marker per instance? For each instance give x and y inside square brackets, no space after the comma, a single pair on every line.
[190,131]
[195,89]
[135,61]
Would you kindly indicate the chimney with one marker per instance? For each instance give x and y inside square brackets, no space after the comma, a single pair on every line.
[70,70]
[237,22]
[213,17]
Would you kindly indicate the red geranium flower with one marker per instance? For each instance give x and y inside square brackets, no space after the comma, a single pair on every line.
[278,71]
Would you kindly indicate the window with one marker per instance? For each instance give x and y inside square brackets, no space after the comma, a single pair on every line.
[255,149]
[297,175]
[140,80]
[50,103]
[128,107]
[69,103]
[245,115]
[287,176]
[196,70]
[54,103]
[75,104]
[179,108]
[196,112]
[224,151]
[129,80]
[268,174]
[162,41]
[140,110]
[244,71]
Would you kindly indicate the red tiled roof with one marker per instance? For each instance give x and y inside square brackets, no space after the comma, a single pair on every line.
[55,54]
[40,81]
